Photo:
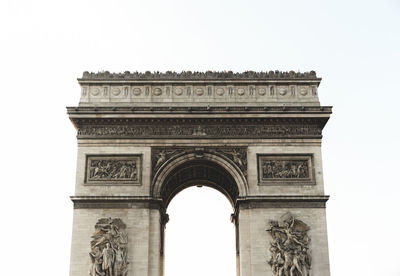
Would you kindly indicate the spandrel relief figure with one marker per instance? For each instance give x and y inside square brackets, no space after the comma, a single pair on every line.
[289,247]
[162,157]
[109,248]
[238,156]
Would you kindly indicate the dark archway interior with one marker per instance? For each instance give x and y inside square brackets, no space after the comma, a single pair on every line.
[199,172]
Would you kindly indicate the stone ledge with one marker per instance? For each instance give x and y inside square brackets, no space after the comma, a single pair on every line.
[284,201]
[72,110]
[107,202]
[127,202]
[208,75]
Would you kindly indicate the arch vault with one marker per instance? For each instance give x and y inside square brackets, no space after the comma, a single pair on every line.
[144,137]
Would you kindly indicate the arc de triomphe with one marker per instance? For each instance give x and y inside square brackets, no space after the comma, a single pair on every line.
[254,136]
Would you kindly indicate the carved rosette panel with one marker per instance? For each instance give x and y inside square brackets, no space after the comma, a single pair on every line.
[113,169]
[109,248]
[290,247]
[237,155]
[285,169]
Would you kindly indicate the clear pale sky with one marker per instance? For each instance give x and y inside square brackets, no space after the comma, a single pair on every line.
[353,45]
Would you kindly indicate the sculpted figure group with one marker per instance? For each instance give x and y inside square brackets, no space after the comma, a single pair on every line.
[285,169]
[289,247]
[113,169]
[109,248]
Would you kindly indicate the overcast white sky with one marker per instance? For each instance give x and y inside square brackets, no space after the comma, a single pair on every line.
[353,45]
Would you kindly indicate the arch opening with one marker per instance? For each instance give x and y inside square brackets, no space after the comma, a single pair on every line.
[200,239]
[199,173]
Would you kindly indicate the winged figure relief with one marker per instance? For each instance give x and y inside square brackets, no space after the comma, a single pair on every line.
[289,247]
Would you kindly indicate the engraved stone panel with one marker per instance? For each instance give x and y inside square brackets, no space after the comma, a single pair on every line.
[95,91]
[136,91]
[157,91]
[285,169]
[262,91]
[220,91]
[303,90]
[282,90]
[113,169]
[241,91]
[199,91]
[115,91]
[178,91]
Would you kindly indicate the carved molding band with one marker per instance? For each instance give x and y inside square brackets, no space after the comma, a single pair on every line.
[290,247]
[111,202]
[285,169]
[208,75]
[109,248]
[104,88]
[113,169]
[240,128]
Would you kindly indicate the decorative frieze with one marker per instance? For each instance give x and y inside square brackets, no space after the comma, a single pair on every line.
[109,248]
[187,128]
[188,75]
[285,169]
[192,88]
[137,94]
[113,169]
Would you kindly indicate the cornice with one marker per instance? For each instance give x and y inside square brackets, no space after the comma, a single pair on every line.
[275,201]
[198,76]
[81,110]
[101,202]
[282,201]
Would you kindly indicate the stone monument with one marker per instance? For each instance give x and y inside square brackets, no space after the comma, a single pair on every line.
[253,136]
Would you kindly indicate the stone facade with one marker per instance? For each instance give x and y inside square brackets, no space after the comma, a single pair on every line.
[254,136]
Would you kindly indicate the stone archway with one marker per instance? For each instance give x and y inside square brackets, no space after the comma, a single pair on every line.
[199,173]
[143,137]
[177,168]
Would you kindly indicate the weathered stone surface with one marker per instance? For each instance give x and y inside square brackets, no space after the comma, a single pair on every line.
[256,137]
[194,88]
[188,75]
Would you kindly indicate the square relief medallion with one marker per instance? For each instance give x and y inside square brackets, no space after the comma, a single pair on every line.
[285,169]
[113,169]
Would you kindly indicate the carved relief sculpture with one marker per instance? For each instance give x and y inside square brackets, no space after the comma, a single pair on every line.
[113,169]
[109,248]
[162,156]
[290,254]
[197,131]
[286,169]
[238,155]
